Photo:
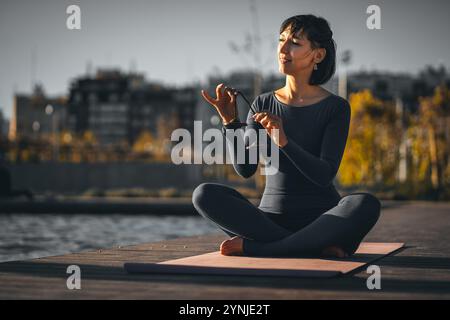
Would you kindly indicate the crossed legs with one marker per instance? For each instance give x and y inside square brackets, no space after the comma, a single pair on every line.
[235,214]
[344,225]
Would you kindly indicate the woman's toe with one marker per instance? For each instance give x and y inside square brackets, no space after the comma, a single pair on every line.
[231,246]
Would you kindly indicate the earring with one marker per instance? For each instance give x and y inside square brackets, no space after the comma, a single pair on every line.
[315,66]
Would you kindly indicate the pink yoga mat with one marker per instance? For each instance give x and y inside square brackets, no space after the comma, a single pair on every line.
[214,263]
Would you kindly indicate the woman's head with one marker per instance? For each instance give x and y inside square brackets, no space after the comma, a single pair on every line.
[307,40]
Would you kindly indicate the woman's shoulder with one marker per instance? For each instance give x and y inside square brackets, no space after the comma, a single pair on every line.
[336,103]
[336,99]
[341,104]
[263,100]
[338,107]
[265,95]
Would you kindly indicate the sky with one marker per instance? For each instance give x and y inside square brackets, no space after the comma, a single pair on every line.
[179,41]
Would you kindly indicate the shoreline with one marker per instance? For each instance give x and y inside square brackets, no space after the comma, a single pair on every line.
[136,205]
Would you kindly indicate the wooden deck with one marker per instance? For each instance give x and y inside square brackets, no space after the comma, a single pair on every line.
[420,271]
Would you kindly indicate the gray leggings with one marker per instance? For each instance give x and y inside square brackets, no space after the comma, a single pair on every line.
[344,225]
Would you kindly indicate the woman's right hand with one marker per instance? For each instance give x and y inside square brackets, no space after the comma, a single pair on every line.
[225,103]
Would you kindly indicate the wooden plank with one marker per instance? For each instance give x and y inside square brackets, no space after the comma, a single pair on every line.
[420,271]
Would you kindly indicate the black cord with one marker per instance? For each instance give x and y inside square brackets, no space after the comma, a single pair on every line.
[236,92]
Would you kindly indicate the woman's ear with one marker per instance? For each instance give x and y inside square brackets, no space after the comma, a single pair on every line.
[320,55]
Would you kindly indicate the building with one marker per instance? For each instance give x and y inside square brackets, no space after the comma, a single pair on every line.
[100,105]
[118,107]
[159,110]
[407,87]
[4,127]
[384,85]
[37,115]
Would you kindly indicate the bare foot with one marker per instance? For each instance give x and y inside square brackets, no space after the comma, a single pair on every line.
[232,247]
[334,252]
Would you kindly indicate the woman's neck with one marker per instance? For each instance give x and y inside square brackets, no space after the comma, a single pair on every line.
[298,88]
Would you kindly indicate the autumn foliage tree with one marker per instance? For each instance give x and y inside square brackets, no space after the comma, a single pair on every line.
[430,141]
[370,157]
[373,156]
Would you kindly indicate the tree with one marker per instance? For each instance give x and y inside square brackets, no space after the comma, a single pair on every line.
[433,133]
[369,158]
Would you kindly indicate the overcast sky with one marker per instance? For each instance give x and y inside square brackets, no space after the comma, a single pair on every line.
[177,41]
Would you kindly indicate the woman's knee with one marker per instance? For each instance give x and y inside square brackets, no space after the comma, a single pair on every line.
[372,203]
[371,207]
[204,194]
[365,204]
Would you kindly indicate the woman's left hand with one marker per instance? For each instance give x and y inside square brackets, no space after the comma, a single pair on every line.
[271,121]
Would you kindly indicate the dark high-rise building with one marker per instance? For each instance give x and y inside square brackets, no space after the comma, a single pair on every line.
[100,105]
[116,107]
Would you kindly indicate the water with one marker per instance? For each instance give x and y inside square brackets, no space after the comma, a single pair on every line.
[28,236]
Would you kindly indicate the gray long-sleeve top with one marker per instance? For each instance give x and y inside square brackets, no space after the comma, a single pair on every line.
[317,135]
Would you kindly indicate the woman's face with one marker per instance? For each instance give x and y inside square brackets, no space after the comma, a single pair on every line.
[295,55]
